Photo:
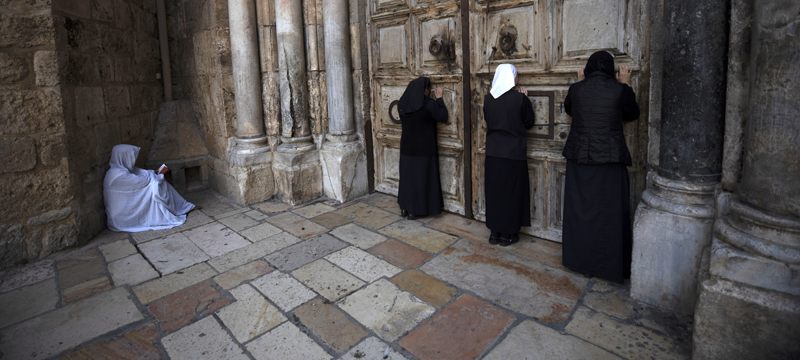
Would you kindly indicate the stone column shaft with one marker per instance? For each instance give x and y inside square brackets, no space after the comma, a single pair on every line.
[292,68]
[674,221]
[343,156]
[246,75]
[338,68]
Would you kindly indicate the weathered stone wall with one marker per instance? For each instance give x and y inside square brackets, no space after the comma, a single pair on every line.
[37,214]
[200,58]
[112,92]
[76,78]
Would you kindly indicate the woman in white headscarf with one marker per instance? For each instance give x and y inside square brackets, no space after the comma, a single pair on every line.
[508,114]
[138,199]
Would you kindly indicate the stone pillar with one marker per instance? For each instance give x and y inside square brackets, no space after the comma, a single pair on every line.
[298,173]
[344,161]
[250,158]
[749,308]
[673,222]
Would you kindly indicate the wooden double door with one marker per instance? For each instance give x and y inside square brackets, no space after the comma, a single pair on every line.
[458,44]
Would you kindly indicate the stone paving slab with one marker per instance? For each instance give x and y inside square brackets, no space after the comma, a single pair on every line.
[533,341]
[86,289]
[461,227]
[383,202]
[498,275]
[286,342]
[368,216]
[250,316]
[27,302]
[172,253]
[362,264]
[372,349]
[136,344]
[358,236]
[385,309]
[400,254]
[283,290]
[629,341]
[158,288]
[260,232]
[297,225]
[85,266]
[462,330]
[426,287]
[256,215]
[272,207]
[232,278]
[415,234]
[205,339]
[331,220]
[215,239]
[69,326]
[313,210]
[26,275]
[305,252]
[117,250]
[238,221]
[330,324]
[616,303]
[131,270]
[327,280]
[252,252]
[183,307]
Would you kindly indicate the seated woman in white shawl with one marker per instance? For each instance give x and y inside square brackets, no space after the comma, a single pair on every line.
[138,199]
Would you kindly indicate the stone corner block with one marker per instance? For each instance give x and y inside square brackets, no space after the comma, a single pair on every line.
[344,170]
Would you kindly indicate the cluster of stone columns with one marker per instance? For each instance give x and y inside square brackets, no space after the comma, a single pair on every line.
[749,307]
[299,170]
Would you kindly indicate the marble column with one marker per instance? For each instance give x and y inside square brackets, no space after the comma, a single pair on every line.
[344,161]
[250,157]
[298,174]
[673,222]
[749,307]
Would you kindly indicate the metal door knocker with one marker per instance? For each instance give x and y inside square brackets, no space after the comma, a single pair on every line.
[508,39]
[392,110]
[441,47]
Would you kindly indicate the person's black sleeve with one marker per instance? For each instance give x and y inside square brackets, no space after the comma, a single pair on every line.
[568,102]
[527,112]
[630,108]
[437,109]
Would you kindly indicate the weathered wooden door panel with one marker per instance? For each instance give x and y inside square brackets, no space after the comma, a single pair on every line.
[548,41]
[410,39]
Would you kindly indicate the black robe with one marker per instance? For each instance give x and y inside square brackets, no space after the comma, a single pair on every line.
[420,190]
[506,183]
[596,229]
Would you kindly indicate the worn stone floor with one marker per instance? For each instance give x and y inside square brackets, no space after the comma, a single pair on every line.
[321,281]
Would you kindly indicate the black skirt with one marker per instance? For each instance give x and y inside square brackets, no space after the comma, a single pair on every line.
[420,191]
[507,190]
[597,237]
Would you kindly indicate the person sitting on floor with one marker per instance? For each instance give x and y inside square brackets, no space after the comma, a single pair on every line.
[138,199]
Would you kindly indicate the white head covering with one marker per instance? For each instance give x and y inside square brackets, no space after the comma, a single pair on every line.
[124,156]
[503,79]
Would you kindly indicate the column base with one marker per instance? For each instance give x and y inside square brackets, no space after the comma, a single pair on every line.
[344,170]
[735,321]
[298,173]
[672,227]
[246,176]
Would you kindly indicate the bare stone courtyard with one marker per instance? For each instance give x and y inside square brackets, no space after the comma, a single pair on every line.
[321,281]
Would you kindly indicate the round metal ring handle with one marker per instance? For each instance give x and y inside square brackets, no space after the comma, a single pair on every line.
[436,46]
[394,105]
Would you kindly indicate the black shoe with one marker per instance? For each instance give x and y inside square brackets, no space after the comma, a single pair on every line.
[494,239]
[507,240]
[403,213]
[412,217]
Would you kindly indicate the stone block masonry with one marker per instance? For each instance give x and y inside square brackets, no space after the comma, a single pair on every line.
[76,78]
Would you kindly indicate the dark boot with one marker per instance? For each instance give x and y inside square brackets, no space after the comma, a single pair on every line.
[494,239]
[509,239]
[403,213]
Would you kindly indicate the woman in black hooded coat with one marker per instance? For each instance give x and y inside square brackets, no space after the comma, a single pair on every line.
[420,192]
[597,236]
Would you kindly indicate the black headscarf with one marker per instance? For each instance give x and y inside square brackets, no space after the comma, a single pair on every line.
[600,61]
[413,98]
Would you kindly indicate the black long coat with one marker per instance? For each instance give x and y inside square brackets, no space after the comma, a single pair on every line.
[598,106]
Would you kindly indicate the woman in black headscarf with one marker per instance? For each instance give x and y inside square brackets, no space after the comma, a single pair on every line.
[420,192]
[597,238]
